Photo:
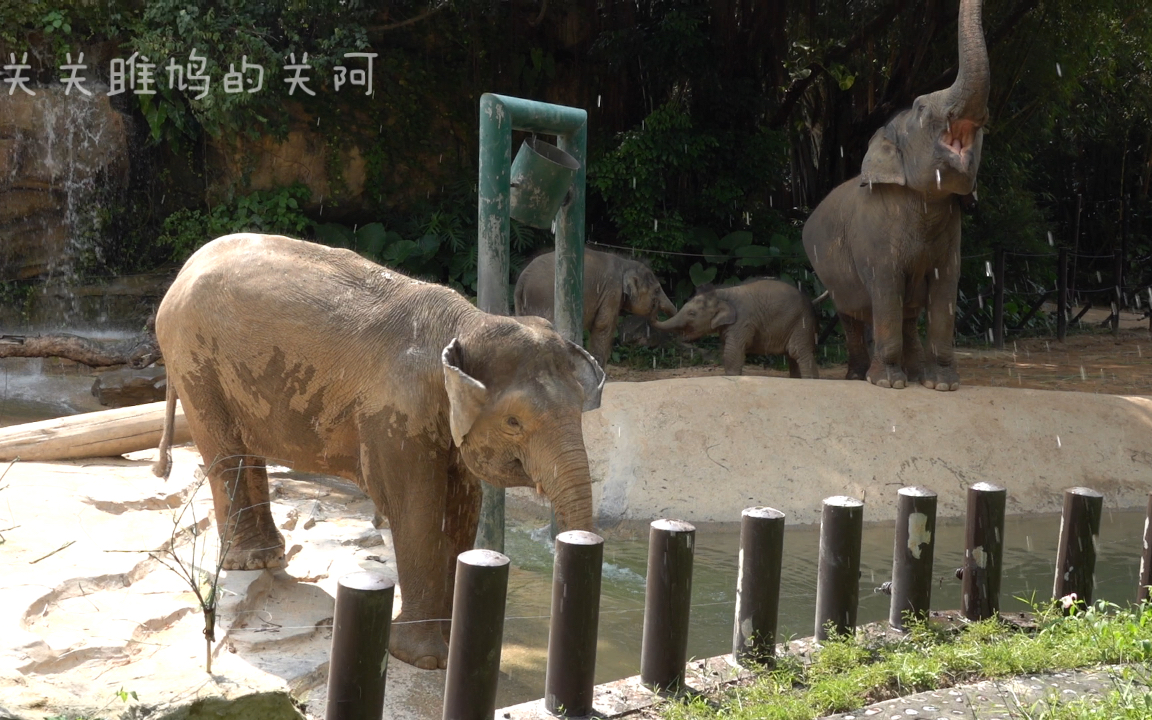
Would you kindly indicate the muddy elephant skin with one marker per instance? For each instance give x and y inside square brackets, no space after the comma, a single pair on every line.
[315,358]
[612,285]
[886,243]
[761,316]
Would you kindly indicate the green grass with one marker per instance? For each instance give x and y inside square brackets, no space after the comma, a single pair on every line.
[848,673]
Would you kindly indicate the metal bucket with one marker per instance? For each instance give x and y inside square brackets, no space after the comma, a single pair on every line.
[541,178]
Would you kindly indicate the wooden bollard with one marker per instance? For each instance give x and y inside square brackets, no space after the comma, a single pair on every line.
[838,577]
[667,603]
[758,585]
[1076,551]
[983,551]
[477,631]
[912,555]
[358,664]
[1144,594]
[570,674]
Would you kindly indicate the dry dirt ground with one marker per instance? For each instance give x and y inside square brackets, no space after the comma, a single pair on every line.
[1090,359]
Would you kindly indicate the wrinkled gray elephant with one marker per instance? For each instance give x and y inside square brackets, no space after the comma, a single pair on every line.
[761,316]
[329,363]
[612,285]
[887,243]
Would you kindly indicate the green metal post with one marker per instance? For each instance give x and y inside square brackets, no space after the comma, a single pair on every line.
[499,116]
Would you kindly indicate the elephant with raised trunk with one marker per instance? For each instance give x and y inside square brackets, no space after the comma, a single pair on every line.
[612,285]
[761,316]
[321,360]
[887,242]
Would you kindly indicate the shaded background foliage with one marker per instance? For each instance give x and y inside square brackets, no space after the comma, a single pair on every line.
[715,125]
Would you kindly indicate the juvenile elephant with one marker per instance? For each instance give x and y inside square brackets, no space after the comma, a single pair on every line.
[761,316]
[329,363]
[612,284]
[887,242]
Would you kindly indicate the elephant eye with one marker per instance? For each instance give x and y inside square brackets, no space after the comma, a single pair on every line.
[691,313]
[512,422]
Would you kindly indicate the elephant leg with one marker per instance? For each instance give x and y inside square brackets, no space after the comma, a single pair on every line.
[940,372]
[239,484]
[887,336]
[416,492]
[734,353]
[802,355]
[600,337]
[461,516]
[793,367]
[855,338]
[913,360]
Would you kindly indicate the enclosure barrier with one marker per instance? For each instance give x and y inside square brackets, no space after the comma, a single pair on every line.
[838,571]
[983,551]
[667,603]
[361,625]
[758,585]
[912,555]
[477,630]
[1076,553]
[364,600]
[570,673]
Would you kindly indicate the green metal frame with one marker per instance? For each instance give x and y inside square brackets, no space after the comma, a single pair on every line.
[499,116]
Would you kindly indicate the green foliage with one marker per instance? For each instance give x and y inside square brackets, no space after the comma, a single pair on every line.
[275,211]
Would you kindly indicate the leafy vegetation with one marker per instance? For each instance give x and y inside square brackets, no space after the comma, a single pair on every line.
[847,673]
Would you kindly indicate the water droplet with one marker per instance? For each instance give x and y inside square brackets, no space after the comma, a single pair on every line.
[988,268]
[937,178]
[1050,238]
[937,271]
[1058,441]
[1059,72]
[1083,375]
[597,101]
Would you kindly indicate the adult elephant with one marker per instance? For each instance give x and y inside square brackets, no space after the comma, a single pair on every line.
[328,363]
[612,284]
[887,243]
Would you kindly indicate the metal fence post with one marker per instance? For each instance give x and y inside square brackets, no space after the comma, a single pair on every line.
[477,631]
[912,555]
[998,299]
[838,576]
[758,585]
[358,667]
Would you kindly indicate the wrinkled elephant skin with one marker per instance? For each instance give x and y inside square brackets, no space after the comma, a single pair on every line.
[886,244]
[612,285]
[761,316]
[318,359]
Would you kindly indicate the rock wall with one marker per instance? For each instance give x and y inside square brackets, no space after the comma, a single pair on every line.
[55,151]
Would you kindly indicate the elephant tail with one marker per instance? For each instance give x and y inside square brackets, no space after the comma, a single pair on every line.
[163,464]
[518,296]
[820,299]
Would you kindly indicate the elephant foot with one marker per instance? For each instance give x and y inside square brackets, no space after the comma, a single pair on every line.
[419,643]
[887,376]
[856,373]
[255,553]
[942,378]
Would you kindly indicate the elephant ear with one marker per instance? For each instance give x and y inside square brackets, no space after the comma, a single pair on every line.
[631,282]
[466,394]
[590,375]
[883,162]
[725,315]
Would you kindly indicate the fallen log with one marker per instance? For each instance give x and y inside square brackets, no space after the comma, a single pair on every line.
[107,433]
[137,352]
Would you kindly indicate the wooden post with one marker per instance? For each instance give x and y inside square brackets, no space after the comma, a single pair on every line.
[912,555]
[758,585]
[1145,593]
[1076,552]
[983,551]
[1062,294]
[667,604]
[477,630]
[998,300]
[570,674]
[838,574]
[358,667]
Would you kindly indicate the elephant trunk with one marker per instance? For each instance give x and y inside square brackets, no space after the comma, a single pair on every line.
[665,306]
[566,480]
[672,324]
[968,96]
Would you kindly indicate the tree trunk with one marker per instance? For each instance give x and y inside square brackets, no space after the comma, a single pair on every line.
[106,433]
[138,352]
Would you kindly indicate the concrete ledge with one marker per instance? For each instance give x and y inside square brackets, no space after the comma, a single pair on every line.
[703,449]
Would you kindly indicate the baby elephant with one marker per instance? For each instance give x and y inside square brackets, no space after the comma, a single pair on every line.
[761,316]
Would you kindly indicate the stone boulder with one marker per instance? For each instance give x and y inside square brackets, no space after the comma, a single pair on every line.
[120,388]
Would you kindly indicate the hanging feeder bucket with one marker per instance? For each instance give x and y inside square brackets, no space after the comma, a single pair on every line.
[541,182]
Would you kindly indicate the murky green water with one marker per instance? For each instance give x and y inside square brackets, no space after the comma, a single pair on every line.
[1029,561]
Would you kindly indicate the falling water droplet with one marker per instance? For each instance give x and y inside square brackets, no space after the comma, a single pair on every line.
[937,178]
[597,101]
[1059,72]
[633,182]
[988,268]
[1083,375]
[1058,441]
[841,151]
[937,271]
[1028,542]
[655,225]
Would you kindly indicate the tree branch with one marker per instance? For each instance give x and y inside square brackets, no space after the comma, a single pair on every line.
[139,352]
[410,21]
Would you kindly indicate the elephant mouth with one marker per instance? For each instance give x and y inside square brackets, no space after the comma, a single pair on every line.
[959,137]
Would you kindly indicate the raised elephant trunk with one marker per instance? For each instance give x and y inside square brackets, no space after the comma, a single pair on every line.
[967,98]
[565,479]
